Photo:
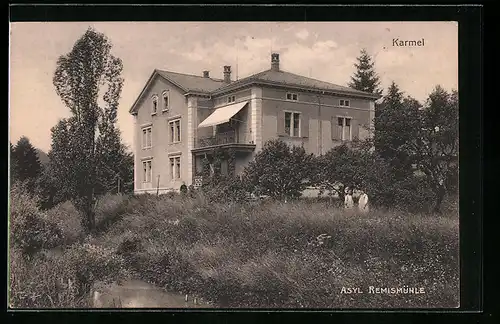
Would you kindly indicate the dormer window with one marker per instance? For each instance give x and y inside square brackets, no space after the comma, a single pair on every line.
[231,99]
[165,101]
[344,103]
[154,104]
[292,96]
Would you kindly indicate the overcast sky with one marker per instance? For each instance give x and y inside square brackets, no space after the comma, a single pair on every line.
[325,51]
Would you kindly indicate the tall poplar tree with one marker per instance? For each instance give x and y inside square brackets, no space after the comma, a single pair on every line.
[81,76]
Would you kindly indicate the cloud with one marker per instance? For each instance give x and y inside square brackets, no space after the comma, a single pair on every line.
[302,34]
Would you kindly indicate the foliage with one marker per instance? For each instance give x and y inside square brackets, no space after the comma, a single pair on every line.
[279,170]
[415,138]
[225,189]
[436,146]
[359,167]
[365,78]
[234,255]
[84,145]
[64,279]
[13,165]
[68,220]
[41,283]
[395,125]
[344,166]
[49,191]
[25,165]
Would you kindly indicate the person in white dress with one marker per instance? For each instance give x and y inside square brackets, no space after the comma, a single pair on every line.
[348,202]
[363,202]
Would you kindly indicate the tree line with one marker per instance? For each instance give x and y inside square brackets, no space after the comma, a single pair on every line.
[411,160]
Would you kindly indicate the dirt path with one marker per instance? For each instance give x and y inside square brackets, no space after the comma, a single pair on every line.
[140,294]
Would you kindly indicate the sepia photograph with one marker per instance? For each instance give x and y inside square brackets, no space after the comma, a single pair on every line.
[233,165]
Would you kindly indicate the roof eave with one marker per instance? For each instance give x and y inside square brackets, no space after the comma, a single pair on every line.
[198,93]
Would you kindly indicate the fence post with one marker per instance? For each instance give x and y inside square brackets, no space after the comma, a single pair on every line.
[158,186]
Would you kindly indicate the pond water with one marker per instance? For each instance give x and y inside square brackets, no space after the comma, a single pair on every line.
[140,294]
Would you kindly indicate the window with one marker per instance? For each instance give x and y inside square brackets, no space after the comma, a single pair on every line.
[175,167]
[344,103]
[147,171]
[292,123]
[165,100]
[292,96]
[344,124]
[154,107]
[231,99]
[178,167]
[147,137]
[175,130]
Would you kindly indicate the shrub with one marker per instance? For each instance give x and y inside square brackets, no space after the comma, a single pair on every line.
[109,209]
[89,264]
[360,168]
[225,188]
[279,170]
[291,254]
[62,280]
[30,229]
[68,220]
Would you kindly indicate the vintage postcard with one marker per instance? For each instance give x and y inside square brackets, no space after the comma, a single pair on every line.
[277,165]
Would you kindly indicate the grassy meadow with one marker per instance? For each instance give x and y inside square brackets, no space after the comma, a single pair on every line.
[261,254]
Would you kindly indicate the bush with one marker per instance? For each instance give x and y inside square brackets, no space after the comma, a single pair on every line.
[30,229]
[279,170]
[110,208]
[89,264]
[360,168]
[237,256]
[62,280]
[68,220]
[225,189]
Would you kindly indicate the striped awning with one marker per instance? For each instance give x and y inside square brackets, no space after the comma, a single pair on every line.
[222,115]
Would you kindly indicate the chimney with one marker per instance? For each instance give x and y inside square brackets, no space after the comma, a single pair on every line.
[206,74]
[227,74]
[275,62]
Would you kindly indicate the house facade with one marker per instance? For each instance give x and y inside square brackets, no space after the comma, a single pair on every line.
[180,120]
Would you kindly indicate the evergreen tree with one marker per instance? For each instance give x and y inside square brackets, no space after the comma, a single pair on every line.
[365,78]
[26,166]
[79,142]
[13,165]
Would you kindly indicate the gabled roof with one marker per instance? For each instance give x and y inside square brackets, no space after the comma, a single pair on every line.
[185,82]
[192,83]
[284,78]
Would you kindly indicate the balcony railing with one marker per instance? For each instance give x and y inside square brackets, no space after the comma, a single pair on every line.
[230,137]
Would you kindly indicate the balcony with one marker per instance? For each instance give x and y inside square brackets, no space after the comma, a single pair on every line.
[227,139]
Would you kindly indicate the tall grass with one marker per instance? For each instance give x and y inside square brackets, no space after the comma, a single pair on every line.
[269,254]
[288,255]
[49,266]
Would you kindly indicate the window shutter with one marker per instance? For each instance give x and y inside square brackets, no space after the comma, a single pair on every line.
[304,124]
[335,129]
[355,129]
[281,122]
